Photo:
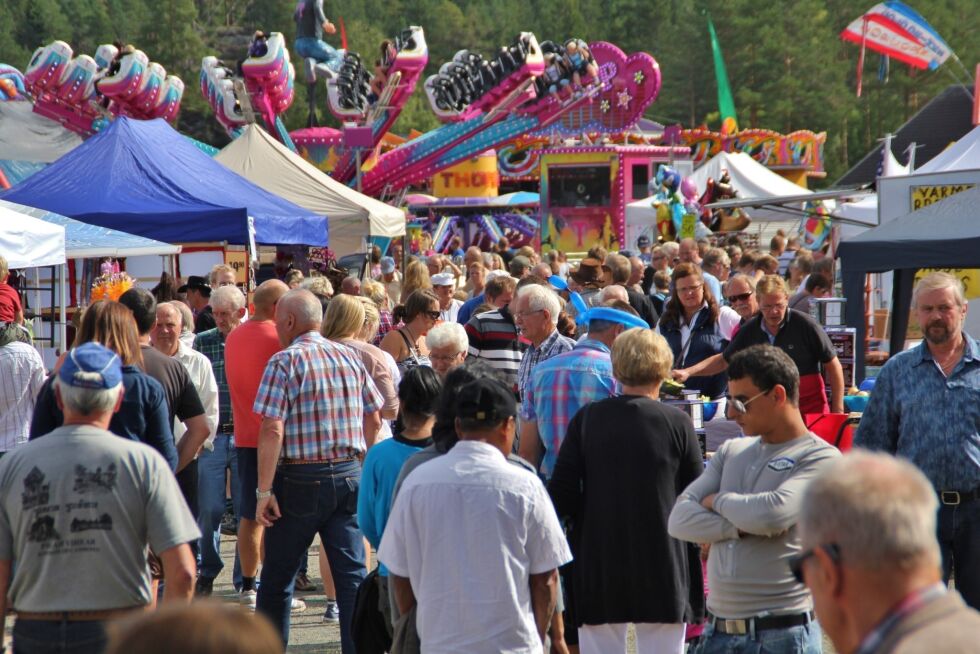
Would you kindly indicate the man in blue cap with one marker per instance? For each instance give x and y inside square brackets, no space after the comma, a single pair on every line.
[78,510]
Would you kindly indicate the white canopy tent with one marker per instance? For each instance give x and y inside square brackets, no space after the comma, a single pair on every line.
[351,216]
[28,242]
[962,155]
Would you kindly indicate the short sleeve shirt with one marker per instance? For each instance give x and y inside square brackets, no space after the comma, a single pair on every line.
[9,302]
[806,343]
[182,398]
[77,510]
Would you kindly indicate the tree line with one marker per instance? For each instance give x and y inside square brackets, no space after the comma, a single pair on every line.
[787,66]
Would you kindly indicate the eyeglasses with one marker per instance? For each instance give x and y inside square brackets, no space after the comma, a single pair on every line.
[771,308]
[741,297]
[444,358]
[796,562]
[741,407]
[689,289]
[433,314]
[525,314]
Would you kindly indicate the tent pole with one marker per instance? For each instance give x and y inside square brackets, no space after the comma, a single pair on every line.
[62,308]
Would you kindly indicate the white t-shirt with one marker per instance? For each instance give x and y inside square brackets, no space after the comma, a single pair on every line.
[468,529]
[449,314]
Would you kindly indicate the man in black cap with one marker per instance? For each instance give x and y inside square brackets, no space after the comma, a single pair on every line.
[198,293]
[470,514]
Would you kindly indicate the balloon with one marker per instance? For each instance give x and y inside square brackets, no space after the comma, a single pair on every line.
[689,189]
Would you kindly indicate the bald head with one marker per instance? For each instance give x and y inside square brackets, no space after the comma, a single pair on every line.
[266,296]
[297,312]
[612,293]
[165,334]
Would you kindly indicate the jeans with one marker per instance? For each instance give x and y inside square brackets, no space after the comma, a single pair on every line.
[805,639]
[50,637]
[959,542]
[319,50]
[211,467]
[313,498]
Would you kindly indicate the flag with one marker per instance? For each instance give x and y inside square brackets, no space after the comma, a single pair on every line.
[896,30]
[726,106]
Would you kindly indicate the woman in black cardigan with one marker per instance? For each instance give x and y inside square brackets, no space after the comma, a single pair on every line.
[621,466]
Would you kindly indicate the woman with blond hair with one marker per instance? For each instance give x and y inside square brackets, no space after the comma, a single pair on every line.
[143,415]
[343,323]
[378,295]
[416,278]
[637,454]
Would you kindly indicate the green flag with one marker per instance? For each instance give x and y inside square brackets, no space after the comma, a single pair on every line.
[726,106]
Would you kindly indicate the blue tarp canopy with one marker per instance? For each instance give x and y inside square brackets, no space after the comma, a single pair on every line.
[84,241]
[143,178]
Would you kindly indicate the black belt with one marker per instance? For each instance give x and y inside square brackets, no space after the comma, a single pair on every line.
[747,625]
[952,498]
[227,428]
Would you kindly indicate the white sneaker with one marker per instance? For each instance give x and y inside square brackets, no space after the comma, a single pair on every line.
[247,599]
[298,606]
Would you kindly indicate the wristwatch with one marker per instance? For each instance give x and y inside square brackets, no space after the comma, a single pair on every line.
[261,494]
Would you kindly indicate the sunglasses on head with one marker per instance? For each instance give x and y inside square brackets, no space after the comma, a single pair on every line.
[741,297]
[796,562]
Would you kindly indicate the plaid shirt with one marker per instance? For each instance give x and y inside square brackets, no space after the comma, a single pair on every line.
[562,385]
[554,344]
[385,325]
[912,603]
[321,391]
[211,344]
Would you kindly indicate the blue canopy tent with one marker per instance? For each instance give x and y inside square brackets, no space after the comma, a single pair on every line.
[143,178]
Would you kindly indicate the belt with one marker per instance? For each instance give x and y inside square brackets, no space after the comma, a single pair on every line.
[77,616]
[227,428]
[952,498]
[297,462]
[747,625]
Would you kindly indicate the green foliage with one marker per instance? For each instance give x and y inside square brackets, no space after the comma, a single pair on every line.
[788,68]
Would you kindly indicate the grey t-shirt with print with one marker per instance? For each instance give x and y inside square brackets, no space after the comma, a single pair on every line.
[77,510]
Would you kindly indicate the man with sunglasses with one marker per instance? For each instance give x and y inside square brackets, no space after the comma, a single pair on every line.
[746,505]
[871,560]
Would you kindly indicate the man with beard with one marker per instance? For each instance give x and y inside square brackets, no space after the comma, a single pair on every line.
[924,409]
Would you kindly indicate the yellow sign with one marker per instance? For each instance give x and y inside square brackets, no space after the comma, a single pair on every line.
[923,196]
[474,178]
[688,224]
[238,259]
[971,286]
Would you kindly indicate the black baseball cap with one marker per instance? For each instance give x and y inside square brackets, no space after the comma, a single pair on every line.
[485,400]
[197,283]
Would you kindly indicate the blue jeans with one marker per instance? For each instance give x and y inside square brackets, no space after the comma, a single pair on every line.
[211,468]
[959,542]
[319,50]
[805,639]
[49,637]
[313,498]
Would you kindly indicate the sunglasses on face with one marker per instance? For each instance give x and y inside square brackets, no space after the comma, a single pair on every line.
[796,562]
[433,314]
[741,297]
[740,406]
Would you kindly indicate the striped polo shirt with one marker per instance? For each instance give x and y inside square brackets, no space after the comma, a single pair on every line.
[493,338]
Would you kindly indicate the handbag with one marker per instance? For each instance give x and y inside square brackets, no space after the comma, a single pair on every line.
[368,628]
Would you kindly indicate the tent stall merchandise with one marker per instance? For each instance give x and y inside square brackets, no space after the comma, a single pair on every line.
[144,178]
[941,235]
[267,163]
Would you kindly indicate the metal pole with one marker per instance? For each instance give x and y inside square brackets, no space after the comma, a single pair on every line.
[63,307]
[358,159]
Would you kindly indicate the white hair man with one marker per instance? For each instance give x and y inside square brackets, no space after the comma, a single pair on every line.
[447,343]
[923,408]
[228,307]
[84,504]
[872,562]
[535,310]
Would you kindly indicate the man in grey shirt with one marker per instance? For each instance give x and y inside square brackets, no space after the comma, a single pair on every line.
[77,512]
[746,506]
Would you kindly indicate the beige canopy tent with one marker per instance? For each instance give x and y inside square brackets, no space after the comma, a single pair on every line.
[351,216]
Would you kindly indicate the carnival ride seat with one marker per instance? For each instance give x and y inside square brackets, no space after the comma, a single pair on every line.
[78,84]
[129,81]
[270,67]
[47,67]
[105,54]
[169,103]
[149,98]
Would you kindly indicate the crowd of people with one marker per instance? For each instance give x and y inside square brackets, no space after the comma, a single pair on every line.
[490,425]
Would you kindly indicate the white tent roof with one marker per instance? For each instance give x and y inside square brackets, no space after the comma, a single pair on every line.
[27,136]
[752,180]
[352,216]
[962,155]
[28,242]
[84,241]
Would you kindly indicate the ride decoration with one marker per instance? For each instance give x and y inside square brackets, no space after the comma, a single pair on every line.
[802,149]
[721,220]
[12,86]
[676,201]
[84,92]
[111,282]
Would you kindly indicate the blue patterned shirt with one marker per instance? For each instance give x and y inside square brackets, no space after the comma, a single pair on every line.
[553,345]
[932,420]
[321,391]
[211,344]
[562,385]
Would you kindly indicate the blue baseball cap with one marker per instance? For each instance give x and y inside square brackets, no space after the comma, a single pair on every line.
[609,314]
[91,365]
